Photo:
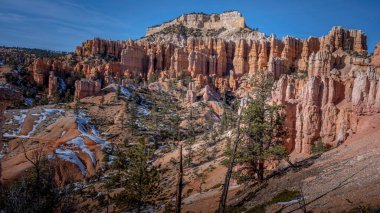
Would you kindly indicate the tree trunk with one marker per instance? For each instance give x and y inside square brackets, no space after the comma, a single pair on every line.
[223,198]
[260,171]
[180,183]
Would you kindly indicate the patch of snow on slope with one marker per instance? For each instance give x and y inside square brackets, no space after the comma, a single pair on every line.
[43,116]
[143,110]
[69,155]
[83,121]
[125,92]
[20,120]
[79,142]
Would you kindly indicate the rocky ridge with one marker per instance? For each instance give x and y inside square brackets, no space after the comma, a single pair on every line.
[325,83]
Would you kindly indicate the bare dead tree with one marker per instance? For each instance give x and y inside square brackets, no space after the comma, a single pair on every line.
[180,183]
[223,198]
[36,159]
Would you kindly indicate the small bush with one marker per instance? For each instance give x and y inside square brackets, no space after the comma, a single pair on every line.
[258,209]
[231,209]
[318,147]
[285,195]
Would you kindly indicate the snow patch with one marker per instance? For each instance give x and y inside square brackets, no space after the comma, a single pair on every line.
[69,155]
[125,92]
[20,120]
[79,142]
[83,121]
[43,116]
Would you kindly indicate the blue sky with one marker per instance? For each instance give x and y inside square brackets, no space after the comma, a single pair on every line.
[65,24]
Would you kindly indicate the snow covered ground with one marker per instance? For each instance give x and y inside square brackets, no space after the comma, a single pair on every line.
[69,155]
[19,120]
[87,130]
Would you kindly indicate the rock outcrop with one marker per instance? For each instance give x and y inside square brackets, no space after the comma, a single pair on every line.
[231,21]
[40,71]
[376,58]
[98,46]
[324,83]
[53,85]
[85,88]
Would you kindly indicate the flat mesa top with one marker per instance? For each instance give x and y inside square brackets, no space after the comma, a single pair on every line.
[231,20]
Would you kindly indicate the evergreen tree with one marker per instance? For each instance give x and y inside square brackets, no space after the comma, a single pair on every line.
[263,131]
[132,115]
[191,135]
[142,179]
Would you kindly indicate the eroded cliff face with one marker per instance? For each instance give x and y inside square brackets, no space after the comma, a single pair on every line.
[99,46]
[85,88]
[324,83]
[231,21]
[327,106]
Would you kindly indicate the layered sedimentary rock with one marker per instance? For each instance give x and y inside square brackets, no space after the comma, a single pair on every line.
[320,63]
[228,20]
[277,67]
[376,58]
[53,85]
[324,83]
[135,60]
[40,70]
[99,46]
[85,88]
[309,46]
[292,50]
[348,40]
[326,108]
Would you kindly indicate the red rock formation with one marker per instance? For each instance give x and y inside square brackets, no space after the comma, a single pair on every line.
[276,46]
[320,63]
[292,50]
[179,60]
[263,56]
[277,66]
[376,58]
[134,58]
[85,88]
[348,40]
[240,61]
[40,71]
[53,85]
[99,46]
[311,45]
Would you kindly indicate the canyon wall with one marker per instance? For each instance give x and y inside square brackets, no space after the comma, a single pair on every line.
[325,83]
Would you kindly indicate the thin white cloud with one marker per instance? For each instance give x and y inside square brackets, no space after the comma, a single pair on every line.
[51,20]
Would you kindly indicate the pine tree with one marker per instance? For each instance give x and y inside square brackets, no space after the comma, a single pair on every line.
[191,135]
[179,182]
[142,178]
[132,115]
[264,131]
